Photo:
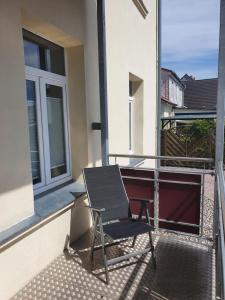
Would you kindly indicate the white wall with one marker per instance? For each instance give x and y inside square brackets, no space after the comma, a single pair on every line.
[176,94]
[166,109]
[131,48]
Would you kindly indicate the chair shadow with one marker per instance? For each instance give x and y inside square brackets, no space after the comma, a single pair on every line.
[183,272]
[80,253]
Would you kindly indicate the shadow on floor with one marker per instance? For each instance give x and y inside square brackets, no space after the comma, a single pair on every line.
[184,269]
[184,272]
[81,255]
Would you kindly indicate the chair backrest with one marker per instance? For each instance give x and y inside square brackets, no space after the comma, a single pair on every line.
[106,190]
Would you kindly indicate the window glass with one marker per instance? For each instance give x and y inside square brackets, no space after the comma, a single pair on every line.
[42,54]
[33,131]
[31,51]
[54,97]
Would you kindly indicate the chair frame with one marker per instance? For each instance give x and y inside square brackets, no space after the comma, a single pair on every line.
[98,223]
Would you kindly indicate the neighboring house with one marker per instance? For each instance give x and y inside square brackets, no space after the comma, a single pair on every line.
[200,97]
[187,77]
[52,99]
[172,91]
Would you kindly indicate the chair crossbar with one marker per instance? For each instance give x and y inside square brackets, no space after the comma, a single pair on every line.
[127,256]
[109,244]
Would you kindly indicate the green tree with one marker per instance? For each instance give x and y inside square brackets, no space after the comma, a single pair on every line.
[202,127]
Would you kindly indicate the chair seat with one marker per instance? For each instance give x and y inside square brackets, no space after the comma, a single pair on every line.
[126,229]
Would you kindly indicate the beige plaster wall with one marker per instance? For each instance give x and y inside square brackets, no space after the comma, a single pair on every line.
[77,109]
[28,257]
[71,24]
[92,82]
[128,52]
[16,194]
[81,219]
[48,18]
[31,254]
[131,48]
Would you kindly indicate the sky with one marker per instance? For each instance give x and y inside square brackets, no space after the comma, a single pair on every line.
[190,37]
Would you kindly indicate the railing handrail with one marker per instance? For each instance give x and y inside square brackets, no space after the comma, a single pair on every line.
[221,222]
[159,157]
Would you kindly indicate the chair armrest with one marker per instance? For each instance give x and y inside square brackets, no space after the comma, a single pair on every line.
[142,200]
[97,210]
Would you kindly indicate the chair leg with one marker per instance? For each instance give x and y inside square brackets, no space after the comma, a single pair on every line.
[152,249]
[139,219]
[150,237]
[94,237]
[104,251]
[134,241]
[147,214]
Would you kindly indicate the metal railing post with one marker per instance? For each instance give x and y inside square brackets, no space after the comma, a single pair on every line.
[219,190]
[156,200]
[219,232]
[202,204]
[221,89]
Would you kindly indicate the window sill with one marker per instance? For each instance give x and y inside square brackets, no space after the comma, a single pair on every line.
[47,207]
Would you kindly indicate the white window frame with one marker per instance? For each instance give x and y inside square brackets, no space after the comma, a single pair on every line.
[131,133]
[42,78]
[39,128]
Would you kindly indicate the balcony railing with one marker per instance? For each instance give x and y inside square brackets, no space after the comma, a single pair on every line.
[185,256]
[219,224]
[181,226]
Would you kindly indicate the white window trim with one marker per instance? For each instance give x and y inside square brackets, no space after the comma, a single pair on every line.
[131,134]
[41,78]
[39,124]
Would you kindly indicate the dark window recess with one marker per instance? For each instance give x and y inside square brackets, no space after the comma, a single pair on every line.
[42,54]
[130,88]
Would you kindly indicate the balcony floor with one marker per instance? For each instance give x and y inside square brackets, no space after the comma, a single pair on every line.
[185,269]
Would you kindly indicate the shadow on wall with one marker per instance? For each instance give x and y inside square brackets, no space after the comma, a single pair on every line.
[81,219]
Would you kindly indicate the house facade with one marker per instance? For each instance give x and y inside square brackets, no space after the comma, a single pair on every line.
[50,104]
[172,92]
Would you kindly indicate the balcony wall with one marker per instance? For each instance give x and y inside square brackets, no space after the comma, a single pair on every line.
[131,42]
[73,25]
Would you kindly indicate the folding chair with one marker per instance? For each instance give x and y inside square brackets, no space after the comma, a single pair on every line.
[111,211]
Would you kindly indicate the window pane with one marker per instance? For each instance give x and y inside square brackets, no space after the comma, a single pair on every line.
[31,53]
[56,130]
[33,131]
[42,54]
